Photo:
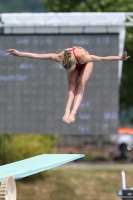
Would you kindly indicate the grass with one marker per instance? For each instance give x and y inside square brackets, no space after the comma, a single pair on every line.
[72,184]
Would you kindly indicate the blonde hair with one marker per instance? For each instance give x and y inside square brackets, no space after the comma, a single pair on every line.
[68,61]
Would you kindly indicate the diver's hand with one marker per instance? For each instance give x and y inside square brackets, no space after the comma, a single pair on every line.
[13,52]
[124,56]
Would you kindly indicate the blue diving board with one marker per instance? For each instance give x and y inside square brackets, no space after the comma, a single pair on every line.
[33,165]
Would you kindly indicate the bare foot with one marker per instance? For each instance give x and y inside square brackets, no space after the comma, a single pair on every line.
[66,115]
[71,117]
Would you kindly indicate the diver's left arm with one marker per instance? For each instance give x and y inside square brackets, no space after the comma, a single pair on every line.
[93,58]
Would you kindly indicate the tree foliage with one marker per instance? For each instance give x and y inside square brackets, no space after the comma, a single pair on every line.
[88,5]
[31,145]
[28,144]
[126,87]
[5,149]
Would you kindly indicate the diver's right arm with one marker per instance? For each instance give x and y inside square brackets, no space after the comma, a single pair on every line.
[49,56]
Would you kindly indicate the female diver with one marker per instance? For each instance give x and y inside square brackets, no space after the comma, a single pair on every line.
[79,65]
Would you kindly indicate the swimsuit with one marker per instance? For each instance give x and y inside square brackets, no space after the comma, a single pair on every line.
[78,65]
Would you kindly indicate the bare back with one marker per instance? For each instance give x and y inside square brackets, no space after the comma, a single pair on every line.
[79,52]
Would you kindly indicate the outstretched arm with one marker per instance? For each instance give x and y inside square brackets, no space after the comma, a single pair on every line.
[93,58]
[49,56]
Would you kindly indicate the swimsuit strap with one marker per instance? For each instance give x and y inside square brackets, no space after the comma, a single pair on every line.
[73,48]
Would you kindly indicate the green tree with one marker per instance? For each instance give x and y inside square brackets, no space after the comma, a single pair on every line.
[28,144]
[31,145]
[88,5]
[126,87]
[5,148]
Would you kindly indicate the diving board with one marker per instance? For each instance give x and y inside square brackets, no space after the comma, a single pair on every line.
[33,165]
[27,167]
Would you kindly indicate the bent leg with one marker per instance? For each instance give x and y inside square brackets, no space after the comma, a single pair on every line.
[72,80]
[83,77]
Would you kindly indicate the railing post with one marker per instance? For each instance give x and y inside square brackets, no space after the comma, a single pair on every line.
[123,180]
